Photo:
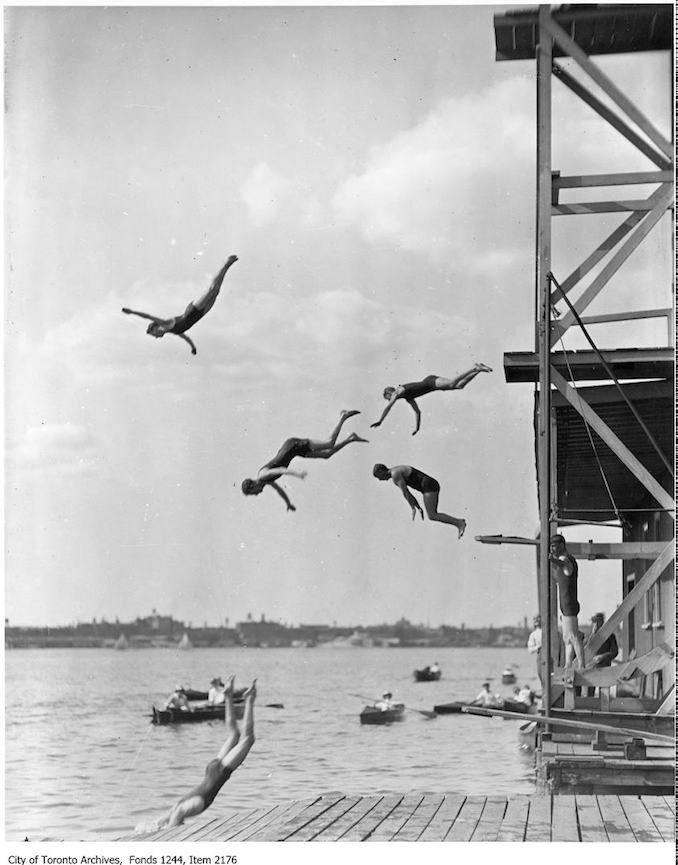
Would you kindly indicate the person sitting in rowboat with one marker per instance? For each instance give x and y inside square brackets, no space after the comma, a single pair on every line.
[385,703]
[486,698]
[218,771]
[526,695]
[178,700]
[216,695]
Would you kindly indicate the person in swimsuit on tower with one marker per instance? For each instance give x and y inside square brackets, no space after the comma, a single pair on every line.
[297,447]
[414,389]
[218,771]
[192,314]
[405,477]
[565,571]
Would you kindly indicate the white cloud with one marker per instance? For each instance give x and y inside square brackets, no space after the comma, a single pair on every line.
[263,192]
[455,185]
[64,448]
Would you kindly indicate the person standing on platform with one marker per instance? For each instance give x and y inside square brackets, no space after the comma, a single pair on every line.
[534,644]
[565,572]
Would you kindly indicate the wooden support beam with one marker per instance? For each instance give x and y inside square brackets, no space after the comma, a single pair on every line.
[586,208]
[620,99]
[580,181]
[612,441]
[543,302]
[642,585]
[603,249]
[588,550]
[627,316]
[625,550]
[632,243]
[613,119]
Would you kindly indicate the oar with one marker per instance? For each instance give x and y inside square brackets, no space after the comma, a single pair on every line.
[566,722]
[423,712]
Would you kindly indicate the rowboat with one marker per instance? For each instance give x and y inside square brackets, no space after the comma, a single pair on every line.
[373,715]
[457,706]
[199,713]
[201,696]
[427,675]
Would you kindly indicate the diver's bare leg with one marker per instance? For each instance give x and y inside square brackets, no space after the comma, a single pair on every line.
[431,505]
[206,302]
[323,451]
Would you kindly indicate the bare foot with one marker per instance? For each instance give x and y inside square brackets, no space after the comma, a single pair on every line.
[346,413]
[354,437]
[251,692]
[462,529]
[229,687]
[483,367]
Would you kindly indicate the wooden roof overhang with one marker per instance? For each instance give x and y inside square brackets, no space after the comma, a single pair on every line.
[626,363]
[597,29]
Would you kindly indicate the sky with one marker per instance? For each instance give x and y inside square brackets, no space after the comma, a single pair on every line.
[374,170]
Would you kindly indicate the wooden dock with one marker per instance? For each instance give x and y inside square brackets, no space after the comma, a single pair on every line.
[439,817]
[568,766]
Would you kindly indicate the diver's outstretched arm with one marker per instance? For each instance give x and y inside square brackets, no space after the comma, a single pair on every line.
[388,408]
[141,314]
[283,495]
[194,350]
[415,409]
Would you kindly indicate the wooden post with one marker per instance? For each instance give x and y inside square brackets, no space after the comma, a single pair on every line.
[544,63]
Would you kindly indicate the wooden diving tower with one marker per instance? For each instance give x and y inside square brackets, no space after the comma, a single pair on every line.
[604,418]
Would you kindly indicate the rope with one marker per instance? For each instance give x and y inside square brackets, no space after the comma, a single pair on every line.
[628,402]
[588,432]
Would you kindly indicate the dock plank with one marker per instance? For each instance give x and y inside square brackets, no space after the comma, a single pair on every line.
[297,817]
[444,817]
[398,816]
[564,825]
[591,826]
[421,817]
[350,826]
[223,826]
[539,819]
[514,824]
[326,819]
[465,825]
[641,822]
[614,818]
[371,821]
[662,816]
[491,819]
[266,818]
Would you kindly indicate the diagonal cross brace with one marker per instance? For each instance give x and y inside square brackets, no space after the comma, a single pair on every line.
[643,585]
[615,444]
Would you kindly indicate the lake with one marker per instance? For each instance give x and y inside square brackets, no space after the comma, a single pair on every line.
[84,763]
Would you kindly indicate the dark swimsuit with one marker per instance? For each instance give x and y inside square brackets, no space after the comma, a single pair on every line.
[291,448]
[215,778]
[415,389]
[567,589]
[187,319]
[421,482]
